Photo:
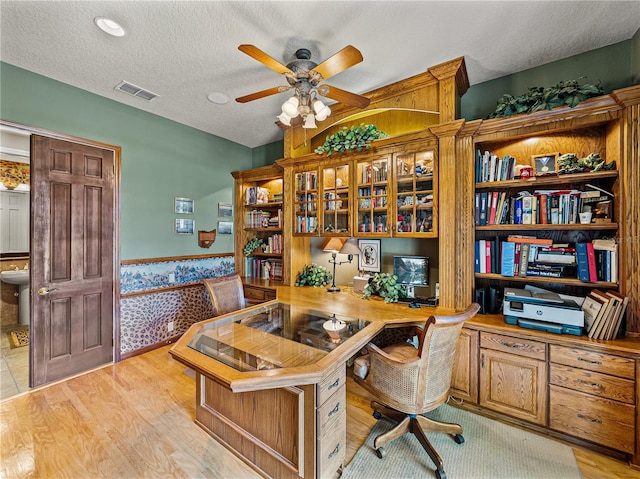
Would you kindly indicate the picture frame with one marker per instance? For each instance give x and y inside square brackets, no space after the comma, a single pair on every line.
[544,164]
[225,210]
[183,206]
[184,226]
[225,227]
[370,259]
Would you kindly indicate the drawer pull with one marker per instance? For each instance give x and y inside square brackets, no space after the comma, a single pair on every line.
[588,383]
[588,361]
[334,410]
[335,451]
[510,345]
[590,419]
[335,384]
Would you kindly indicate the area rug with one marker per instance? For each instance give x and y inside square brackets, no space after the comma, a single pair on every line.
[19,338]
[491,450]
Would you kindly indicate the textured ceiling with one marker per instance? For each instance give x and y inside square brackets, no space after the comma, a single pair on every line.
[184,50]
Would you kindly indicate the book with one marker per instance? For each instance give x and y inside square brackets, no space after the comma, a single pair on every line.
[529,239]
[494,206]
[591,262]
[583,262]
[527,209]
[591,307]
[482,253]
[597,324]
[524,259]
[616,327]
[507,264]
[615,314]
[615,302]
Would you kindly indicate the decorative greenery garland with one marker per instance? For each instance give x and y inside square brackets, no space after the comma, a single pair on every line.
[313,275]
[538,98]
[354,138]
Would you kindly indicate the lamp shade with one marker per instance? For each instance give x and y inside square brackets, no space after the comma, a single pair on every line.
[290,107]
[333,245]
[309,121]
[350,247]
[284,118]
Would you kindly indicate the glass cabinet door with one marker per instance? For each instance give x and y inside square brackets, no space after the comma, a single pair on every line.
[373,203]
[306,203]
[416,194]
[336,200]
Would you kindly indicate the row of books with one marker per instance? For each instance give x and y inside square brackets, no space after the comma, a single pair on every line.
[263,219]
[307,181]
[306,224]
[529,256]
[376,173]
[603,314]
[541,207]
[490,167]
[273,244]
[257,267]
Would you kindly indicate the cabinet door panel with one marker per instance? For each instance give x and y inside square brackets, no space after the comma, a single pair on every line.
[464,382]
[513,385]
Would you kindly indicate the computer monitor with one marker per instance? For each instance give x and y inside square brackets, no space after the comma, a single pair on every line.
[411,270]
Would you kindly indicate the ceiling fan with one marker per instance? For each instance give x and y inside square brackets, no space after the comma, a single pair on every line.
[304,76]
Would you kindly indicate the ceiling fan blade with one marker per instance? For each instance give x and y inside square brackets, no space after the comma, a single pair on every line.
[344,96]
[261,94]
[345,58]
[257,54]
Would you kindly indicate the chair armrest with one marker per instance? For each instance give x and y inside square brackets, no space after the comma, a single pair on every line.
[388,358]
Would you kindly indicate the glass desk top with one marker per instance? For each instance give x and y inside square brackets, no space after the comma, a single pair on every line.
[276,335]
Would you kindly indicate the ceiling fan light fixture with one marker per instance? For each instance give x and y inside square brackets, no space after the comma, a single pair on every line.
[309,121]
[322,111]
[290,107]
[109,26]
[284,119]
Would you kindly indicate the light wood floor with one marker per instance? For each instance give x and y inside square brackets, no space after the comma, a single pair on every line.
[135,419]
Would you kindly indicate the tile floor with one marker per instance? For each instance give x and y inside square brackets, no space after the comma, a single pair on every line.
[14,364]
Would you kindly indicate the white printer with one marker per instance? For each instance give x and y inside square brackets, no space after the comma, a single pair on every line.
[535,308]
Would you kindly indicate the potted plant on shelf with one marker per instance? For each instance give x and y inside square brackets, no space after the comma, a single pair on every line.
[347,139]
[385,285]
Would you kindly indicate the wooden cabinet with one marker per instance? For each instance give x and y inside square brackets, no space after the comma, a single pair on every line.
[513,376]
[336,207]
[416,194]
[305,201]
[373,203]
[464,381]
[592,396]
[259,214]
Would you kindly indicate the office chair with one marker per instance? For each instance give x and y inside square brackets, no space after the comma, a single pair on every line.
[408,382]
[226,293]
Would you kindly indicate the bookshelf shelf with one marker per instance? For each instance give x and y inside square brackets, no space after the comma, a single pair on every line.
[545,227]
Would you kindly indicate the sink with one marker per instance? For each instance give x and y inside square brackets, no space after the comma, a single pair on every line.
[20,278]
[15,277]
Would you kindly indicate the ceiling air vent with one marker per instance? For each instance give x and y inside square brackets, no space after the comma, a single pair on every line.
[134,90]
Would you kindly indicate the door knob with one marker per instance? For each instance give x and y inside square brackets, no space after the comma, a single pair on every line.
[45,291]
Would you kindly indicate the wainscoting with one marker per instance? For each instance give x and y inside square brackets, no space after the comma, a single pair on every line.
[159,291]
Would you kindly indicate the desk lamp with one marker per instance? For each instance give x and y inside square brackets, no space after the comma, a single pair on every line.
[335,246]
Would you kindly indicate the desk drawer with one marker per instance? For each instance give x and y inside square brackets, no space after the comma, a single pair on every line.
[331,384]
[331,410]
[512,345]
[593,361]
[256,294]
[602,385]
[332,447]
[600,420]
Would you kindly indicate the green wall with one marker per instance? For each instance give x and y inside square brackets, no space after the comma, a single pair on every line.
[161,159]
[635,58]
[611,66]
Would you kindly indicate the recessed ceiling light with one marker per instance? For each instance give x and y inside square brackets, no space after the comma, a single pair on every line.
[218,98]
[109,26]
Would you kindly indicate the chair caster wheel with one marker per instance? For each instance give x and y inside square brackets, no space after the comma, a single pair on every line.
[441,474]
[381,452]
[377,415]
[458,438]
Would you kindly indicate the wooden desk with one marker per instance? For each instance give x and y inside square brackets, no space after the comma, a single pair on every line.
[287,422]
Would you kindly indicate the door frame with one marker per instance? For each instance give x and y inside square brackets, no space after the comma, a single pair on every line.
[117,151]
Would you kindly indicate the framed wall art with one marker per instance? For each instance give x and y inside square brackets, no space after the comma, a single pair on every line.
[185,226]
[183,205]
[369,260]
[225,227]
[225,209]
